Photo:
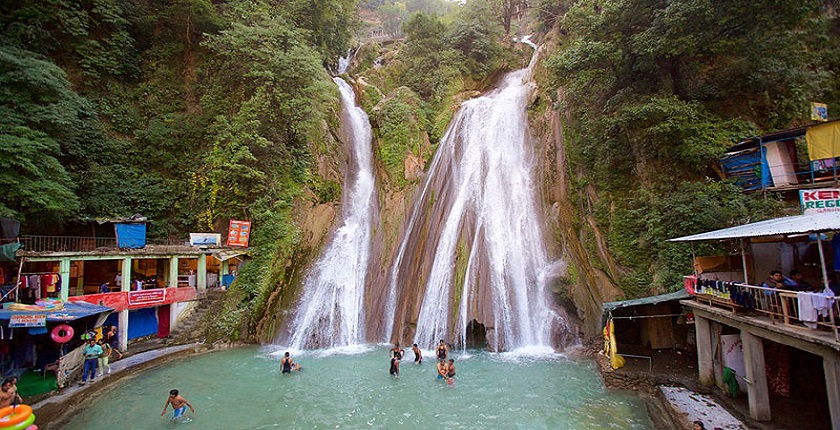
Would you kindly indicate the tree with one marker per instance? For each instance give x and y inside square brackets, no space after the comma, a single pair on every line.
[36,107]
[392,17]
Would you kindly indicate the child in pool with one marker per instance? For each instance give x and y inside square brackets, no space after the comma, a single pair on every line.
[179,404]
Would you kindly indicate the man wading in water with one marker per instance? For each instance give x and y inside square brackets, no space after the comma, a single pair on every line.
[179,405]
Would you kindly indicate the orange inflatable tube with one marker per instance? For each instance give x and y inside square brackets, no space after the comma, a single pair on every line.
[11,415]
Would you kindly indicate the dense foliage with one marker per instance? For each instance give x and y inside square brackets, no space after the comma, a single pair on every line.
[190,112]
[193,112]
[658,90]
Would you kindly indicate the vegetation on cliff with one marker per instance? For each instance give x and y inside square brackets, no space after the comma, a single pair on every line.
[656,91]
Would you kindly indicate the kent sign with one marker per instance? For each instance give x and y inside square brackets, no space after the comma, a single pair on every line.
[818,201]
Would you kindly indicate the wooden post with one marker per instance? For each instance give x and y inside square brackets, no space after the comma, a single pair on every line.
[705,365]
[822,261]
[757,392]
[744,262]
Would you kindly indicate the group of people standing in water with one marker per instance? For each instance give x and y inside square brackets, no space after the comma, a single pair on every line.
[445,370]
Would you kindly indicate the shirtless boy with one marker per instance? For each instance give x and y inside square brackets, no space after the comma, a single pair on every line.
[442,368]
[442,350]
[418,356]
[6,394]
[179,404]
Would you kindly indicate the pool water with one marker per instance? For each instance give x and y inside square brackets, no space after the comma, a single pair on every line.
[352,389]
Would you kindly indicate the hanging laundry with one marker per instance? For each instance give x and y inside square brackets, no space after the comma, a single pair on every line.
[807,312]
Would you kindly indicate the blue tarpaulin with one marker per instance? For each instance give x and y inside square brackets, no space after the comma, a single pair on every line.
[744,167]
[71,311]
[131,235]
[141,322]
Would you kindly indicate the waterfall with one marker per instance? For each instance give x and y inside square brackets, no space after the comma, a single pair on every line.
[474,245]
[344,62]
[330,311]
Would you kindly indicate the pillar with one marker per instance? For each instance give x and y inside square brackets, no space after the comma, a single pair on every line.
[225,267]
[126,286]
[757,392]
[705,364]
[122,323]
[831,367]
[64,271]
[173,273]
[173,315]
[201,281]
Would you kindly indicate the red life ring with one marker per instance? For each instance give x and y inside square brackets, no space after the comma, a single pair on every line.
[62,333]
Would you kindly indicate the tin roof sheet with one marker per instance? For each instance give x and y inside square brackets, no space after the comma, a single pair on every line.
[799,224]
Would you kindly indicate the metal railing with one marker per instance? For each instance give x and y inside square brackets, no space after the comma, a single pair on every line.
[821,313]
[82,243]
[66,243]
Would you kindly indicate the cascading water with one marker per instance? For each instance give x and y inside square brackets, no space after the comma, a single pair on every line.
[330,312]
[474,243]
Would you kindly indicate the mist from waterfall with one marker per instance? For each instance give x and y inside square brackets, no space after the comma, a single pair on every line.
[330,312]
[479,225]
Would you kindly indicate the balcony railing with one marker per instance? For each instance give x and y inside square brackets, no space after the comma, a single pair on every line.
[820,312]
[81,243]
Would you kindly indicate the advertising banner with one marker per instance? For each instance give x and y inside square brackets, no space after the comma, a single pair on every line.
[239,233]
[205,239]
[35,320]
[733,356]
[821,200]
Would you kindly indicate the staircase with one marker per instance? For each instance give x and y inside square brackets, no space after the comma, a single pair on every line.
[188,329]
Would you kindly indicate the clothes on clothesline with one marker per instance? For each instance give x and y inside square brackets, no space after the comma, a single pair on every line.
[742,296]
[36,286]
[812,306]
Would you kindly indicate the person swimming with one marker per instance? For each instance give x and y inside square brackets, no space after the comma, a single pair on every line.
[418,355]
[450,369]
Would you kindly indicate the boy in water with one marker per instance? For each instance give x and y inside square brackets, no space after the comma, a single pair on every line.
[179,404]
[442,350]
[418,356]
[395,366]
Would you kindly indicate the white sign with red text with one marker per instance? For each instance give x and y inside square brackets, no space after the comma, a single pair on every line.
[819,201]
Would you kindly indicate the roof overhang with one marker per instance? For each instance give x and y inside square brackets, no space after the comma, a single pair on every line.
[227,254]
[785,226]
[71,311]
[677,295]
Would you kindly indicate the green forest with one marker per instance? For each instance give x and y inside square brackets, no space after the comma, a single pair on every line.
[195,112]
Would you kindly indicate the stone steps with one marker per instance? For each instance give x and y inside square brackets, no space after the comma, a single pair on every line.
[188,329]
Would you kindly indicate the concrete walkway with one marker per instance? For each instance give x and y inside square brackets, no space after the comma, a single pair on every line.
[117,368]
[697,407]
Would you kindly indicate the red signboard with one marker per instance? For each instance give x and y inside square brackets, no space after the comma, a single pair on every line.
[138,299]
[238,233]
[147,297]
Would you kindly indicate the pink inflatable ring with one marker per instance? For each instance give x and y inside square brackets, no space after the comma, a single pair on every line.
[62,333]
